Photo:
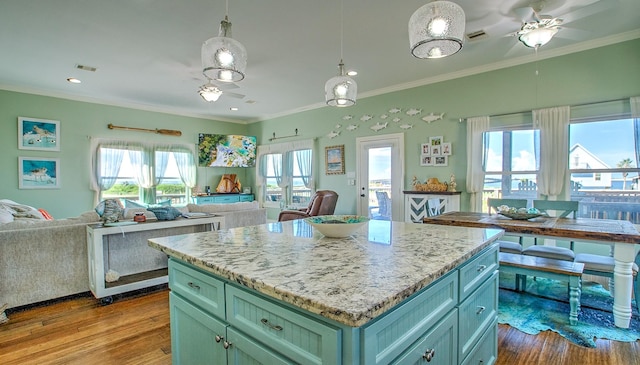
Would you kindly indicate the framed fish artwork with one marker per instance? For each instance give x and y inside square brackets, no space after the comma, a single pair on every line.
[38,134]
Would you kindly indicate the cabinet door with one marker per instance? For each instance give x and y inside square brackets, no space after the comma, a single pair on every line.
[193,335]
[245,351]
[246,197]
[438,346]
[225,199]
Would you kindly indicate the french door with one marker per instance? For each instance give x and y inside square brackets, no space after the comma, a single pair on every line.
[380,175]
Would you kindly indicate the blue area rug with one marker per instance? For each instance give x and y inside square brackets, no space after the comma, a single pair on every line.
[545,306]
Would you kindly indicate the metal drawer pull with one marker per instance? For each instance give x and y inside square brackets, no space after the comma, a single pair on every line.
[219,338]
[480,309]
[429,354]
[194,286]
[226,344]
[481,268]
[266,323]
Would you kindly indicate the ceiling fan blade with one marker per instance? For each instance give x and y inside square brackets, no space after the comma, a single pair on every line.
[524,14]
[226,85]
[587,11]
[234,95]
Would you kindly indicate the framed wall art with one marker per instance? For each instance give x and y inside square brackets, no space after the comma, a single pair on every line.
[38,173]
[334,160]
[426,160]
[435,141]
[38,134]
[426,149]
[446,149]
[440,160]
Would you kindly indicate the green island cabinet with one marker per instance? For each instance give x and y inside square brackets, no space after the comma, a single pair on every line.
[221,198]
[451,321]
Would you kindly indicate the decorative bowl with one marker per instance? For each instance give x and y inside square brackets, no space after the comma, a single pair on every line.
[337,226]
[521,216]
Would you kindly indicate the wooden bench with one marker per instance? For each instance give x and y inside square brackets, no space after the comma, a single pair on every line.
[568,271]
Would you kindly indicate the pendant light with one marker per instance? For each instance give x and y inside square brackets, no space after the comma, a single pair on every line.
[341,90]
[436,30]
[223,58]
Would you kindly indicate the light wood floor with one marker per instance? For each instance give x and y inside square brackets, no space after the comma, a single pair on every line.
[136,331]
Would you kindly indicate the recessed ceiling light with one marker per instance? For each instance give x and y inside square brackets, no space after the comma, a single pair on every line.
[73,80]
[352,73]
[233,109]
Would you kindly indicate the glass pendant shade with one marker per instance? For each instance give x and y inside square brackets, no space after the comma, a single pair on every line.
[209,92]
[223,58]
[341,90]
[436,30]
[538,37]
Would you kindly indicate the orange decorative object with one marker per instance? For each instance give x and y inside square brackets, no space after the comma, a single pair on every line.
[139,217]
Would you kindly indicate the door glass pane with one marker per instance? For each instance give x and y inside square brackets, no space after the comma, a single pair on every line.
[379,183]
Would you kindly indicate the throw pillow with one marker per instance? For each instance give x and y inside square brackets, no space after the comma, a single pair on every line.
[45,214]
[110,210]
[165,213]
[133,204]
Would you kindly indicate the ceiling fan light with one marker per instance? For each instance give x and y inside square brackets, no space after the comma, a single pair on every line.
[224,58]
[209,92]
[538,37]
[341,90]
[436,30]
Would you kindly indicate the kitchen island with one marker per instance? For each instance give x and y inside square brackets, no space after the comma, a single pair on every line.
[281,292]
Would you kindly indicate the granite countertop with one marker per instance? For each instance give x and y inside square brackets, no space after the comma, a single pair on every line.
[350,280]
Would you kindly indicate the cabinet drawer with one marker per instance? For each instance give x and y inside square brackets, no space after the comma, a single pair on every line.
[294,335]
[486,351]
[226,199]
[197,287]
[244,350]
[203,200]
[473,274]
[477,313]
[388,337]
[438,346]
[246,197]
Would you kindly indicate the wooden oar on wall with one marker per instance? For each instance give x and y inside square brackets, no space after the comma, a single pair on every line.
[169,132]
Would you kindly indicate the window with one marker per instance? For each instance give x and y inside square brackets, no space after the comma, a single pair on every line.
[511,163]
[149,174]
[286,172]
[603,163]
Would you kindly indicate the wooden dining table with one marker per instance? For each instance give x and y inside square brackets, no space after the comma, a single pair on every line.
[623,235]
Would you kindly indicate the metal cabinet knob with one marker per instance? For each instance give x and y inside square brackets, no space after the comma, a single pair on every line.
[429,354]
[194,286]
[226,344]
[219,338]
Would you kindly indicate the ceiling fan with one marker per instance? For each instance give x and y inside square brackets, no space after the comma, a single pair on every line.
[212,92]
[538,29]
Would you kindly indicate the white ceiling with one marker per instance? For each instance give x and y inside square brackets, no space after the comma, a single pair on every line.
[147,52]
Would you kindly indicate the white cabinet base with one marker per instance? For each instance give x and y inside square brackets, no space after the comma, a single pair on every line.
[124,249]
[419,205]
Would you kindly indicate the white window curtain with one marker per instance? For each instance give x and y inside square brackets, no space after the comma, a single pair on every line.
[106,158]
[185,160]
[305,161]
[635,114]
[476,127]
[554,149]
[162,160]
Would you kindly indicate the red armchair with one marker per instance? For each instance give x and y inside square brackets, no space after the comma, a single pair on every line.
[322,203]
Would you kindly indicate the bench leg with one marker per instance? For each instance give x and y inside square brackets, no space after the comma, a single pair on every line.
[575,285]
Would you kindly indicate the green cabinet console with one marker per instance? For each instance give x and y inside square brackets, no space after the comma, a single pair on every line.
[232,301]
[221,198]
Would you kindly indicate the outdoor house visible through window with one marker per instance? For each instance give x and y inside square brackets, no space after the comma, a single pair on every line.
[603,161]
[149,174]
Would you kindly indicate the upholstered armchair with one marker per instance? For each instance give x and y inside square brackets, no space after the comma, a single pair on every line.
[322,203]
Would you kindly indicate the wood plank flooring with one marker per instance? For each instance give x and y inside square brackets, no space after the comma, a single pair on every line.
[136,331]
